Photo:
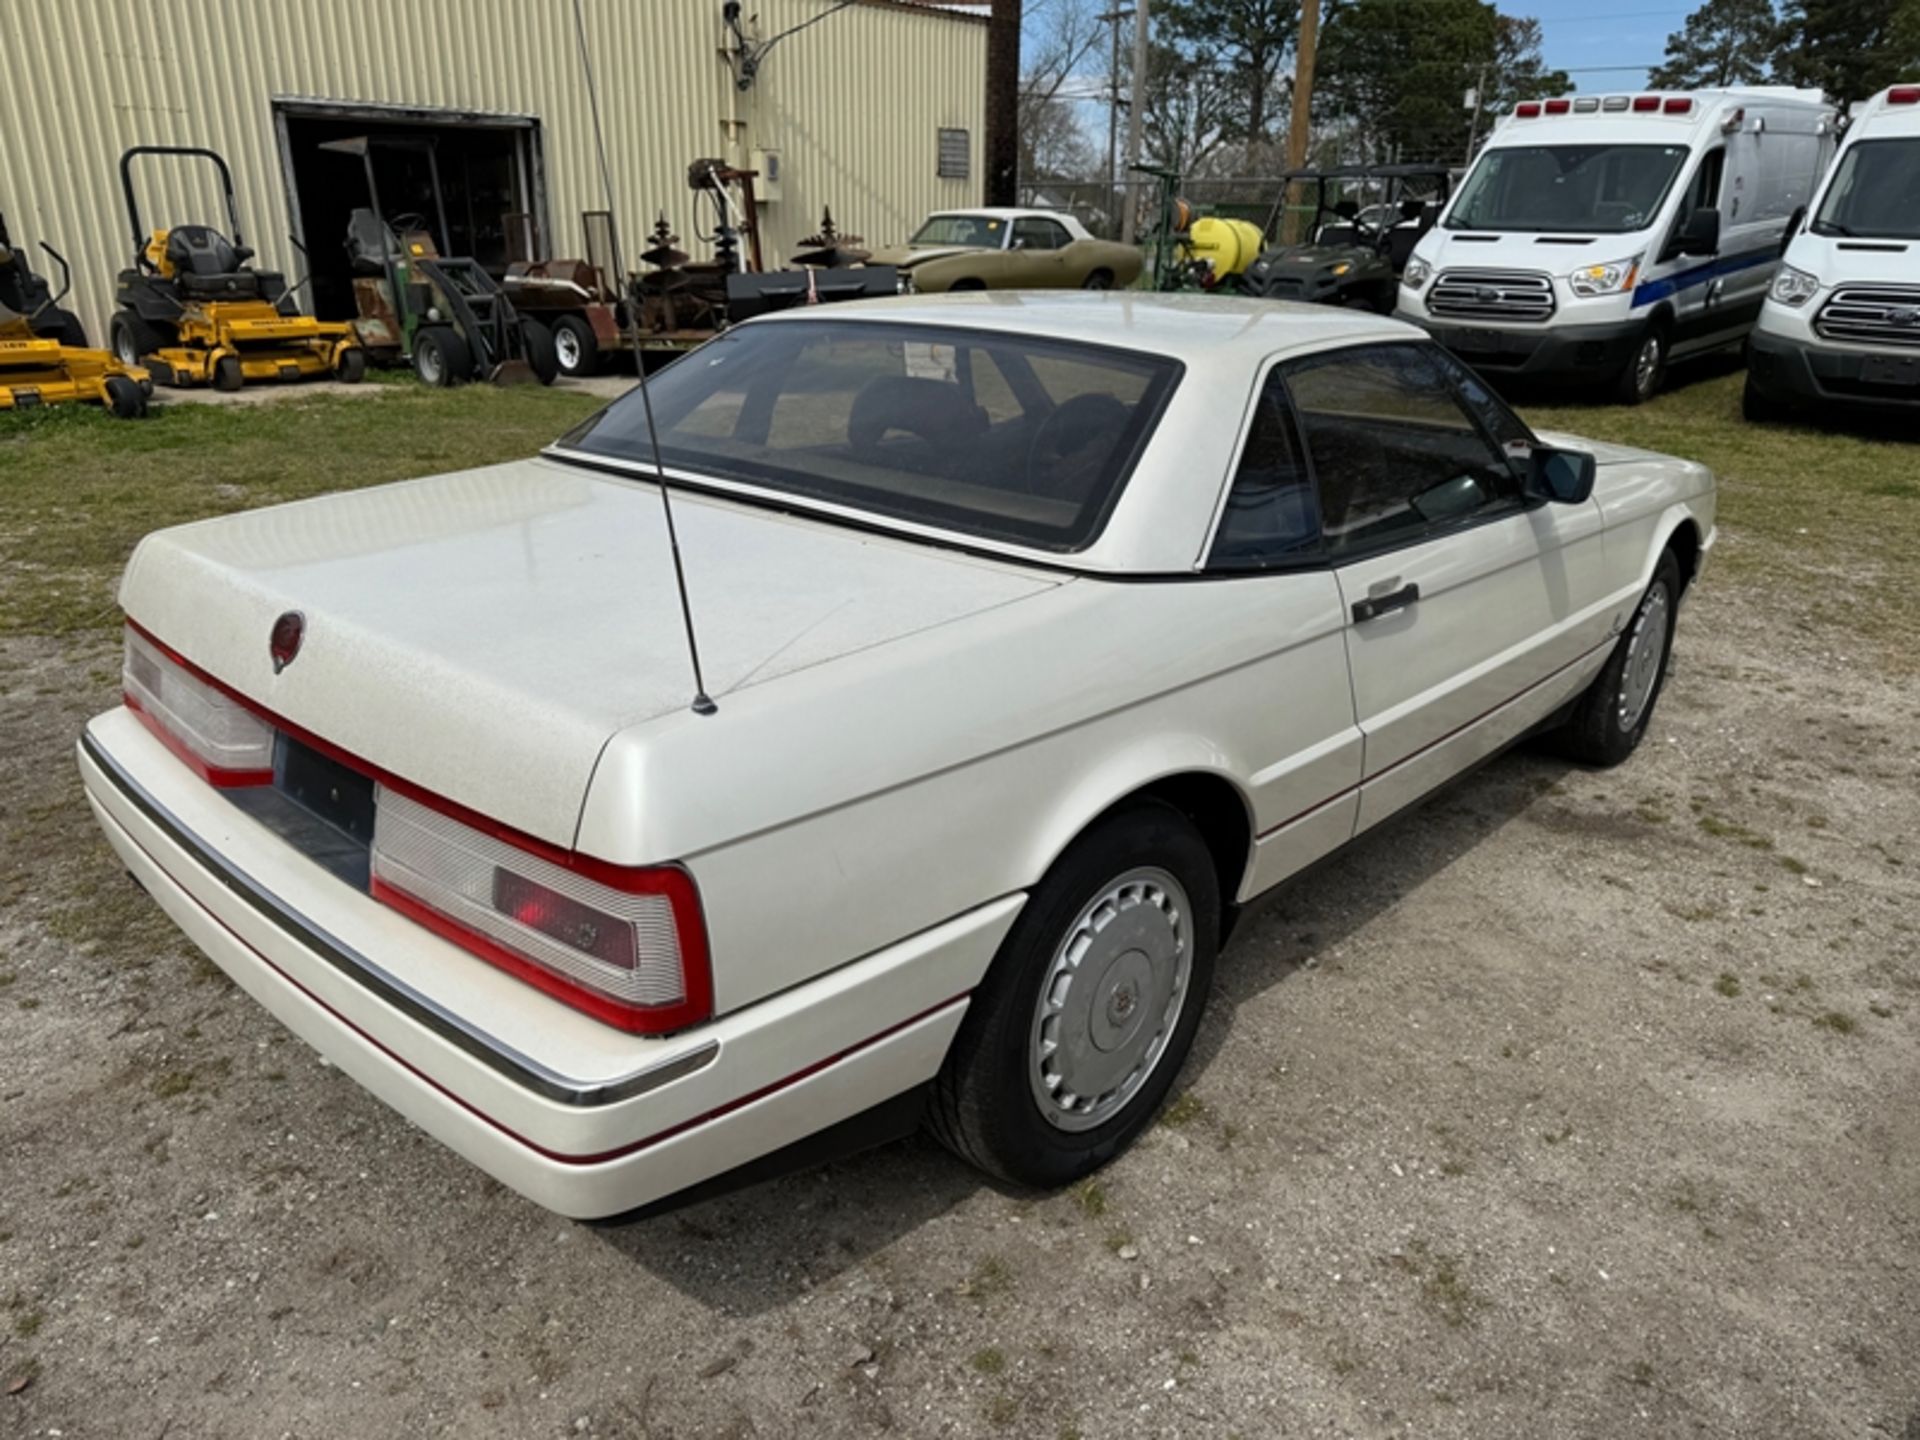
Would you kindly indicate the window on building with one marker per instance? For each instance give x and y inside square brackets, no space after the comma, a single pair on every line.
[956,155]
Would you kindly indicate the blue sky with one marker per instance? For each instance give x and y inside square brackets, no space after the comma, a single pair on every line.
[1579,35]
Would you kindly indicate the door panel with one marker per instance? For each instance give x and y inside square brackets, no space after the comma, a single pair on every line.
[1503,610]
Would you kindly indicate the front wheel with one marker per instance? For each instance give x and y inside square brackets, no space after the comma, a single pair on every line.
[1080,1028]
[352,366]
[1611,718]
[124,397]
[576,346]
[441,357]
[1640,377]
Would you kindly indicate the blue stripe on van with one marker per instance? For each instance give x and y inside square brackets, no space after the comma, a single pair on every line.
[1656,290]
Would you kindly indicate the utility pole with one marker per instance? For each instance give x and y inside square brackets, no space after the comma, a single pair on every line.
[1479,99]
[1136,114]
[1299,122]
[1002,144]
[1113,18]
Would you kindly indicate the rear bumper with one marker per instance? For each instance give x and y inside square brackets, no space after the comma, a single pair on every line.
[1547,352]
[1789,372]
[583,1120]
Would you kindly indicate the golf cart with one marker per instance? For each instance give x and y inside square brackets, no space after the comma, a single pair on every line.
[1353,255]
[444,315]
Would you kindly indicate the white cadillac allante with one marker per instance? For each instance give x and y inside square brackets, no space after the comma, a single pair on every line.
[1044,633]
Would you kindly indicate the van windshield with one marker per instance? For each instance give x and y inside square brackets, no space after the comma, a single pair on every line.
[1000,436]
[1593,189]
[1875,192]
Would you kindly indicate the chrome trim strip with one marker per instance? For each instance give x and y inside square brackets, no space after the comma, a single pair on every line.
[520,1068]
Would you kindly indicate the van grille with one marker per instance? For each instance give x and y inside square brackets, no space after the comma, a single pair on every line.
[1523,295]
[1872,315]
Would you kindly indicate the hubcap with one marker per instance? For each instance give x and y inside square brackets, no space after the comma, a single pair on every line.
[1112,996]
[1646,365]
[125,349]
[430,365]
[1646,645]
[567,346]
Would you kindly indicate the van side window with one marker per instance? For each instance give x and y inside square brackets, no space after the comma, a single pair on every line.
[1705,192]
[1270,517]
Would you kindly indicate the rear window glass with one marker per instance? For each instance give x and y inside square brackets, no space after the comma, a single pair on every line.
[1001,437]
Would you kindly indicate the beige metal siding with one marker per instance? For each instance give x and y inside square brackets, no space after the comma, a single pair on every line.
[852,105]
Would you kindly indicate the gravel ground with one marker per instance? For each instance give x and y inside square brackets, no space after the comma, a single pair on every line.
[1574,1104]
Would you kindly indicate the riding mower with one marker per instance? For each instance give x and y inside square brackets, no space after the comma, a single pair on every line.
[444,315]
[44,359]
[195,312]
[1352,256]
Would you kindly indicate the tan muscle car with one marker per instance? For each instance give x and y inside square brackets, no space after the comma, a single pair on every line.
[1011,250]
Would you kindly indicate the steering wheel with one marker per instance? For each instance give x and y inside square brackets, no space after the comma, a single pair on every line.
[408,220]
[1065,435]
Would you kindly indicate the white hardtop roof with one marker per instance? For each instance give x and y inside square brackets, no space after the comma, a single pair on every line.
[1883,118]
[1001,212]
[1200,331]
[1602,126]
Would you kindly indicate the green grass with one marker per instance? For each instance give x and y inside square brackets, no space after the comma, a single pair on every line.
[80,487]
[1828,517]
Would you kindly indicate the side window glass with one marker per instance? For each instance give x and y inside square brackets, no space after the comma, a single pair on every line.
[1270,518]
[1706,182]
[1395,454]
[1036,234]
[1508,430]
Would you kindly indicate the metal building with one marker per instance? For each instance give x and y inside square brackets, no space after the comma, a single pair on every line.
[876,110]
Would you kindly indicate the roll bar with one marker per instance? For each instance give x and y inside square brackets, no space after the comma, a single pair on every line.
[133,206]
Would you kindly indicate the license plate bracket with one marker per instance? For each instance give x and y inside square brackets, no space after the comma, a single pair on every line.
[1891,370]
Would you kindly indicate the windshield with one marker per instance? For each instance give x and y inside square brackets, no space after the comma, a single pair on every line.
[975,232]
[1594,189]
[1875,191]
[1003,437]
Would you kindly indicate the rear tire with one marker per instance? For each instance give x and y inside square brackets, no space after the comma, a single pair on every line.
[352,368]
[542,358]
[227,374]
[132,339]
[1611,718]
[1108,965]
[125,398]
[1639,379]
[1098,280]
[441,358]
[961,286]
[576,346]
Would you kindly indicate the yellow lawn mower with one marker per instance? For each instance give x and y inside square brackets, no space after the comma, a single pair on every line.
[194,312]
[44,359]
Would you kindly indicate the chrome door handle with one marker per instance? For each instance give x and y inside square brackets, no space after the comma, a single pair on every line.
[1374,606]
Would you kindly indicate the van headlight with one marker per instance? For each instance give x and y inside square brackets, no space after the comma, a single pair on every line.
[1417,273]
[1608,279]
[1793,287]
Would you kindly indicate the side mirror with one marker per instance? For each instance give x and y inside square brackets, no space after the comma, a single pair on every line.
[1563,476]
[1700,235]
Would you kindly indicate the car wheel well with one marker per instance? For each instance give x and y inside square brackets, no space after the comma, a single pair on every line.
[1685,545]
[1217,810]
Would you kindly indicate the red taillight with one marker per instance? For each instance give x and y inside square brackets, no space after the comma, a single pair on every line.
[1527,109]
[1904,95]
[1680,105]
[217,737]
[1645,104]
[1559,107]
[628,945]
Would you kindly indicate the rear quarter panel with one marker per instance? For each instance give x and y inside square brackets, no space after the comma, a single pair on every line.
[844,808]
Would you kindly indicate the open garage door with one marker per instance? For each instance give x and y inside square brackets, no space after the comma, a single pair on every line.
[490,171]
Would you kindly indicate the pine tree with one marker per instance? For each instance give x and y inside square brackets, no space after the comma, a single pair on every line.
[1850,48]
[1724,42]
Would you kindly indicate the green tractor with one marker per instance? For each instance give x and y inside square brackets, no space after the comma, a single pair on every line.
[444,315]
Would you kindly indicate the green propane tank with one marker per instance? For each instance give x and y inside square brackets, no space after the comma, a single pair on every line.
[1232,245]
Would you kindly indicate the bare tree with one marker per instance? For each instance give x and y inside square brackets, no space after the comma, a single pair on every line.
[1064,42]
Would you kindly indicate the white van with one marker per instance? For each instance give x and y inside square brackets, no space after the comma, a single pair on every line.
[1842,322]
[1597,237]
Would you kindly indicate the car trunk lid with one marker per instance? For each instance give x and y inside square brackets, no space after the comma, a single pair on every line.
[482,634]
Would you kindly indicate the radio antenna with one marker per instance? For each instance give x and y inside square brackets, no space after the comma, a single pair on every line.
[702,702]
